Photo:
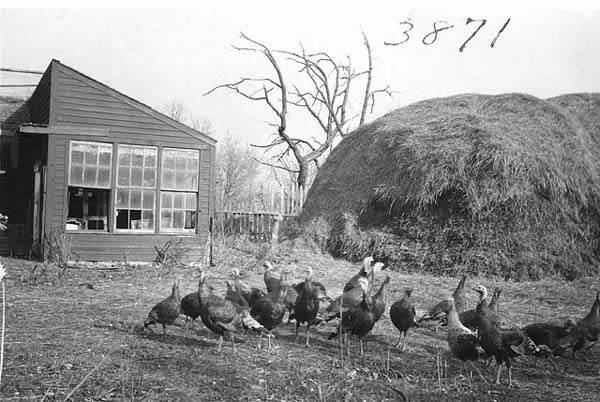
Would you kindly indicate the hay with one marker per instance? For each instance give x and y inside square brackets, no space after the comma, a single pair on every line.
[506,184]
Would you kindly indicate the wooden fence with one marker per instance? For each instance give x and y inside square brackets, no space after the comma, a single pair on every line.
[260,224]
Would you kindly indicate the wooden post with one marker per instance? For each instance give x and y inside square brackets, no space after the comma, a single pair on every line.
[271,199]
[282,206]
[275,232]
[37,205]
[292,198]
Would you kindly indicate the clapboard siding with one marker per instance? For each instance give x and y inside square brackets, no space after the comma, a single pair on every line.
[56,202]
[103,108]
[133,247]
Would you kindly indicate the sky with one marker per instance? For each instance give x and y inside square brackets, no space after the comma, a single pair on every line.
[172,50]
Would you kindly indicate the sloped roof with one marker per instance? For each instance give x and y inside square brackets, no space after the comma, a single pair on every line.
[13,112]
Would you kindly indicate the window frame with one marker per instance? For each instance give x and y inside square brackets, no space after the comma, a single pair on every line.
[195,191]
[83,186]
[141,188]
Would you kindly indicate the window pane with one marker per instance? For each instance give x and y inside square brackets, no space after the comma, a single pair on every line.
[76,174]
[137,158]
[150,160]
[168,180]
[165,219]
[192,161]
[190,219]
[123,176]
[135,199]
[147,219]
[180,162]
[168,161]
[136,177]
[167,200]
[177,219]
[122,198]
[149,177]
[105,158]
[122,219]
[91,155]
[104,177]
[180,180]
[89,176]
[148,199]
[191,181]
[76,154]
[190,202]
[178,200]
[124,155]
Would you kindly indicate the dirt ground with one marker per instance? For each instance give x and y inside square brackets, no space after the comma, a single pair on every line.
[80,334]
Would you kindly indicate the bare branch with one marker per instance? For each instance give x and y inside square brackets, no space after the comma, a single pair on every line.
[369,78]
[276,166]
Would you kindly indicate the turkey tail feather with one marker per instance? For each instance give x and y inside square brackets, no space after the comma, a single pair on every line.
[250,323]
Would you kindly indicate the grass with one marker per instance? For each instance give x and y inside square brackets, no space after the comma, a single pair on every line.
[81,337]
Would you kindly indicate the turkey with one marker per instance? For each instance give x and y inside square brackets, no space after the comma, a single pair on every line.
[352,294]
[251,294]
[503,345]
[461,340]
[234,295]
[271,280]
[379,299]
[358,320]
[587,330]
[402,314]
[469,318]
[167,311]
[190,307]
[438,312]
[551,335]
[367,265]
[299,287]
[222,316]
[306,305]
[270,309]
[376,268]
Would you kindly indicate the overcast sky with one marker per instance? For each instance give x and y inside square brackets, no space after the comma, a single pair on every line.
[159,54]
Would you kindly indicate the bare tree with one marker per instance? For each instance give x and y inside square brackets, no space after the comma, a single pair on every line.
[175,110]
[203,124]
[326,99]
[237,169]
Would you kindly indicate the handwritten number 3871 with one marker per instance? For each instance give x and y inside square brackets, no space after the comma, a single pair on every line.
[431,37]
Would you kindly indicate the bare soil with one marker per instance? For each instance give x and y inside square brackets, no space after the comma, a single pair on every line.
[80,334]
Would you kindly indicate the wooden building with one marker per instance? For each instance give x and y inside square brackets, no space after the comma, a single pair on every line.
[111,175]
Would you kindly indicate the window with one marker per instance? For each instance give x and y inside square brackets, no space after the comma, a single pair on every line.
[179,185]
[136,187]
[89,185]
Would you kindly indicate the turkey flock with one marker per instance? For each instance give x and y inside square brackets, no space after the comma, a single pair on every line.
[473,335]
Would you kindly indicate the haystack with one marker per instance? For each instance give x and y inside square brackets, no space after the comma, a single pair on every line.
[506,184]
